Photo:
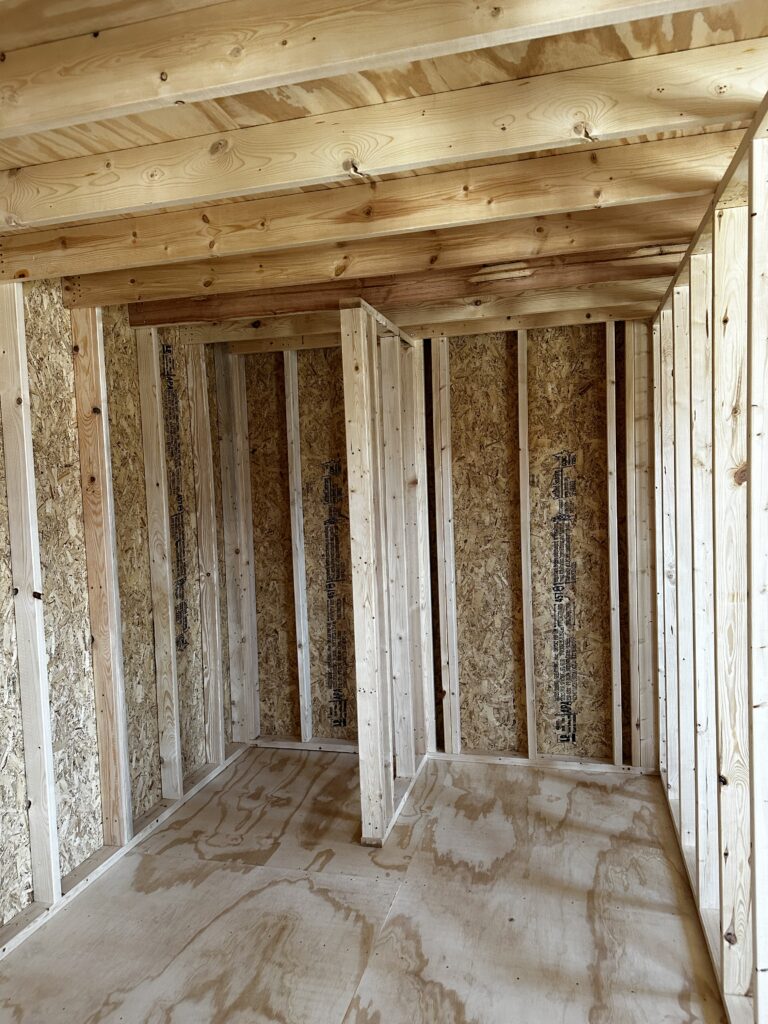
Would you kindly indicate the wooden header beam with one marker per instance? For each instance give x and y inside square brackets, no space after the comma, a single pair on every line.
[610,101]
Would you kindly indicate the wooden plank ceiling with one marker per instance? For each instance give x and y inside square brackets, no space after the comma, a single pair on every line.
[463,166]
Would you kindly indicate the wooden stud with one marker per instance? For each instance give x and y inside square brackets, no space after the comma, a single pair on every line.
[686,730]
[101,560]
[290,363]
[525,540]
[669,564]
[158,527]
[703,579]
[613,543]
[658,561]
[446,570]
[729,361]
[28,597]
[757,519]
[397,557]
[205,499]
[376,779]
[632,526]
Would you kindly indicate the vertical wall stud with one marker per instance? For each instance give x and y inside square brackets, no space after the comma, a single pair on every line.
[446,568]
[158,526]
[290,361]
[729,366]
[101,559]
[658,532]
[205,500]
[632,528]
[613,542]
[525,539]
[28,588]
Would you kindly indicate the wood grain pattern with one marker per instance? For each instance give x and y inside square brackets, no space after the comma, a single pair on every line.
[729,361]
[658,566]
[101,556]
[672,169]
[525,540]
[631,517]
[613,543]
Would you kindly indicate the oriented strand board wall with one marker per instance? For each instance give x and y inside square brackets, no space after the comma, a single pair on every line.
[486,524]
[327,543]
[65,587]
[278,669]
[213,413]
[185,563]
[15,862]
[569,540]
[132,544]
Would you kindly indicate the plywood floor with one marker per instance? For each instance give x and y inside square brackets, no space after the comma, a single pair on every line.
[504,896]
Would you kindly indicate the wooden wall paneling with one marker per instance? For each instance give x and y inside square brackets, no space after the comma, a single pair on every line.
[446,571]
[101,558]
[290,363]
[729,366]
[613,543]
[28,604]
[245,544]
[669,563]
[417,543]
[205,500]
[703,579]
[374,738]
[644,541]
[397,556]
[632,516]
[684,570]
[525,539]
[658,575]
[163,615]
[757,539]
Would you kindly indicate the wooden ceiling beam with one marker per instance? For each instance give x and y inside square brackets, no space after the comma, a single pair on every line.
[243,46]
[591,231]
[671,169]
[712,85]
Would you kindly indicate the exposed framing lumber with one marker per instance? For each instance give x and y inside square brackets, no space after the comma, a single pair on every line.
[158,528]
[625,99]
[559,184]
[757,560]
[374,737]
[446,570]
[101,562]
[414,429]
[658,562]
[729,318]
[525,541]
[290,364]
[669,563]
[397,556]
[114,73]
[628,228]
[205,501]
[632,516]
[28,597]
[238,548]
[613,543]
[703,582]
[684,568]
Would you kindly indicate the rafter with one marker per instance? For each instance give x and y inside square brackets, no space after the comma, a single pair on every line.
[611,101]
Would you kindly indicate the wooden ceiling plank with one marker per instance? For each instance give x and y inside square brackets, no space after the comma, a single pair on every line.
[672,168]
[244,46]
[590,231]
[712,85]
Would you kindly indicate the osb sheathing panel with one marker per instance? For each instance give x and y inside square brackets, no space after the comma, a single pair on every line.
[273,558]
[486,526]
[65,584]
[213,413]
[185,562]
[15,863]
[569,540]
[327,543]
[132,542]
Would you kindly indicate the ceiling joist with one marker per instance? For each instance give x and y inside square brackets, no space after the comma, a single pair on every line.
[612,101]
